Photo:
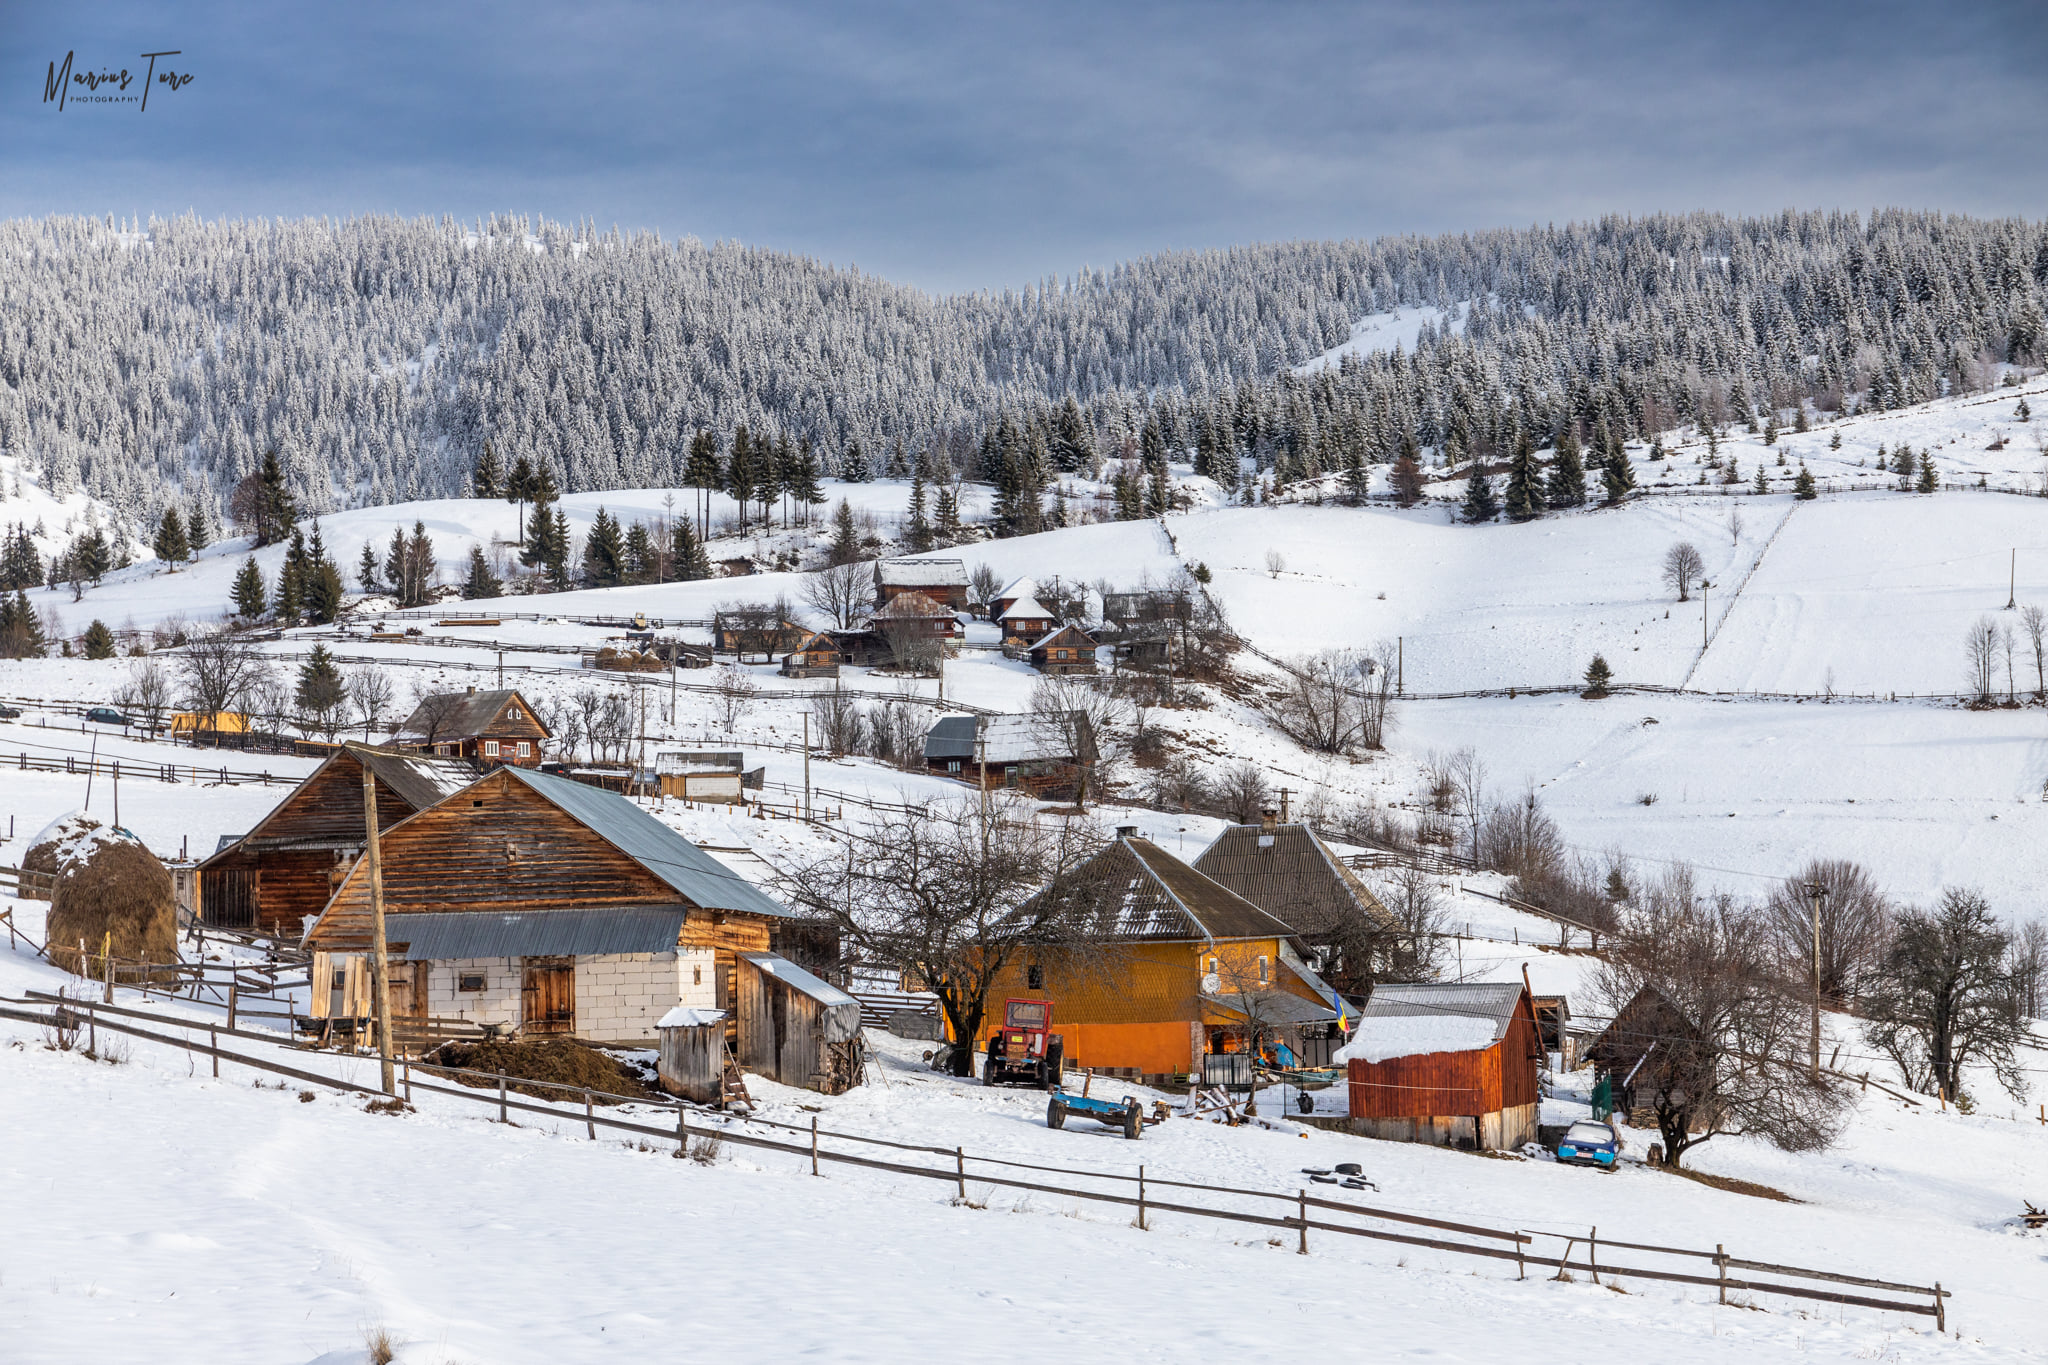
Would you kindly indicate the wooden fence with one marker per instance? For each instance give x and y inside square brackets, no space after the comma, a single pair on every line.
[147,772]
[1298,1212]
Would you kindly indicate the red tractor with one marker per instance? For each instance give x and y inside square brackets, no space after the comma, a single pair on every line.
[1025,1050]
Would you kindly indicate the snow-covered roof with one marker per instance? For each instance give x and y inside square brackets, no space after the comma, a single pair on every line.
[1409,1021]
[998,739]
[1027,609]
[689,1016]
[1027,586]
[911,606]
[921,573]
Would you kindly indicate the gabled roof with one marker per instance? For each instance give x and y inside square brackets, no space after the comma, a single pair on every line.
[1001,739]
[418,781]
[699,877]
[921,573]
[911,606]
[1408,1021]
[1081,637]
[1291,872]
[1133,889]
[1027,586]
[1029,609]
[450,716]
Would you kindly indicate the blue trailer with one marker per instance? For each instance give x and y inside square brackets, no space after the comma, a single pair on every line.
[1128,1115]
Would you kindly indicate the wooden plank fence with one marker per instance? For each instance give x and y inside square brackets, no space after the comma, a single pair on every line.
[1132,1191]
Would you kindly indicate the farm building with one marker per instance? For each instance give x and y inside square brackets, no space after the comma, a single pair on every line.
[701,776]
[1287,871]
[817,655]
[1639,1054]
[942,580]
[916,616]
[280,874]
[1010,596]
[193,724]
[1170,970]
[537,900]
[742,631]
[1449,1065]
[796,1028]
[1068,649]
[487,728]
[1010,751]
[1026,619]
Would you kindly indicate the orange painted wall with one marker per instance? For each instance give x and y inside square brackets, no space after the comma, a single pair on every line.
[1154,1049]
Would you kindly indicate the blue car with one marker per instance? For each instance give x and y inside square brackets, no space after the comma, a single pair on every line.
[1590,1143]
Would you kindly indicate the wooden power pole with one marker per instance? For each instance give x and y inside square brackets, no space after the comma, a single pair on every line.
[1817,891]
[380,976]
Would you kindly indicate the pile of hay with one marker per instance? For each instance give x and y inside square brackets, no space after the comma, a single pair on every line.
[51,849]
[552,1059]
[113,895]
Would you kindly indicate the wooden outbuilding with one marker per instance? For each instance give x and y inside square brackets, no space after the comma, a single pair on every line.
[280,874]
[487,728]
[942,580]
[1449,1065]
[1016,592]
[795,1027]
[1069,649]
[195,724]
[1026,619]
[1643,1050]
[916,615]
[741,631]
[1169,971]
[692,1059]
[817,655]
[1030,752]
[699,775]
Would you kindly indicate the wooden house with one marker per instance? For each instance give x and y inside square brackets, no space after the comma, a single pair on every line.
[536,900]
[1034,753]
[1166,968]
[942,580]
[817,655]
[1026,619]
[742,631]
[1010,596]
[795,1027]
[1290,873]
[487,728]
[280,874]
[1068,649]
[1449,1065]
[191,725]
[916,615]
[1643,1052]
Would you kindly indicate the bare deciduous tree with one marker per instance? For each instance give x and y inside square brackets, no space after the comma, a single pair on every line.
[1414,948]
[934,894]
[1468,786]
[1276,563]
[1376,697]
[1855,925]
[1721,1046]
[148,694]
[2034,625]
[1682,568]
[1980,654]
[843,592]
[1079,717]
[1318,702]
[1942,998]
[835,722]
[983,583]
[371,692]
[216,669]
[1243,793]
[734,694]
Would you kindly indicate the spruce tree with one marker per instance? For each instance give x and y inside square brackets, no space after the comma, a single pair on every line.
[853,465]
[947,510]
[276,508]
[740,473]
[2021,412]
[488,479]
[702,473]
[604,553]
[320,690]
[1763,483]
[481,581]
[519,486]
[917,532]
[91,554]
[1480,503]
[558,552]
[1799,422]
[1406,475]
[1617,475]
[366,570]
[686,552]
[171,545]
[197,534]
[1599,678]
[1524,499]
[845,538]
[1835,441]
[642,561]
[249,597]
[21,634]
[99,641]
[1928,481]
[321,582]
[1771,428]
[20,564]
[806,490]
[1567,487]
[1357,477]
[1802,487]
[898,466]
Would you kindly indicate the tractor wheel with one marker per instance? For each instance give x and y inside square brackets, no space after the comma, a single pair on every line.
[1134,1121]
[1055,1064]
[988,1072]
[1055,1113]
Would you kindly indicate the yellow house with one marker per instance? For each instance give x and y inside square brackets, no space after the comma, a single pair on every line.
[1166,966]
[219,723]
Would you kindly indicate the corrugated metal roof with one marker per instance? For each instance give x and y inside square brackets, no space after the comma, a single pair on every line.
[420,781]
[449,716]
[1275,1007]
[440,936]
[699,877]
[921,573]
[1134,889]
[1492,1000]
[782,969]
[1002,739]
[1295,877]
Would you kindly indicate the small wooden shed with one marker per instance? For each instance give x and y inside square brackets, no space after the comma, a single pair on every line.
[1452,1065]
[796,1028]
[692,1052]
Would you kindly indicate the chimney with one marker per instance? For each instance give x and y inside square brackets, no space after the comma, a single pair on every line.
[1126,831]
[472,691]
[1269,820]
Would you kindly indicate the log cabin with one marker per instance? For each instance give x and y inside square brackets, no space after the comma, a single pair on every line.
[536,900]
[1289,872]
[942,580]
[817,655]
[1448,1065]
[487,728]
[280,874]
[1017,591]
[917,615]
[1026,619]
[1068,649]
[1036,755]
[1163,969]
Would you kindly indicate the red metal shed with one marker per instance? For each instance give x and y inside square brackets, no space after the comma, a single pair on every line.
[1451,1065]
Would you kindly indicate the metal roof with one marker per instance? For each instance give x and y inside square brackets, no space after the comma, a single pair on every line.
[449,716]
[921,573]
[797,979]
[1276,1007]
[420,781]
[1289,871]
[700,878]
[1133,889]
[442,935]
[1008,739]
[1493,1000]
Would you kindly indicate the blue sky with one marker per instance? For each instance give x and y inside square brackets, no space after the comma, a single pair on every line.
[965,146]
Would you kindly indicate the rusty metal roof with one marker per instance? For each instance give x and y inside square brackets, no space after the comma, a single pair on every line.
[441,935]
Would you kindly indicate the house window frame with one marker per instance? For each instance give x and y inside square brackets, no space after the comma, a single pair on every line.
[525,748]
[490,748]
[472,983]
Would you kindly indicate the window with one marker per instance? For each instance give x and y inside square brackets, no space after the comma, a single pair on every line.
[697,975]
[472,982]
[1210,970]
[1263,967]
[490,748]
[952,765]
[1034,978]
[525,749]
[444,750]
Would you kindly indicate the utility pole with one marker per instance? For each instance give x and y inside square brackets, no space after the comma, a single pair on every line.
[1400,666]
[981,754]
[1703,615]
[1285,792]
[380,978]
[807,765]
[501,670]
[2012,590]
[640,763]
[1818,891]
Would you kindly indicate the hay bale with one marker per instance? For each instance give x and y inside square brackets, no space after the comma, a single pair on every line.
[112,891]
[63,836]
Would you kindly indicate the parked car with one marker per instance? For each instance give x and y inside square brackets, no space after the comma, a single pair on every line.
[10,712]
[107,715]
[1590,1142]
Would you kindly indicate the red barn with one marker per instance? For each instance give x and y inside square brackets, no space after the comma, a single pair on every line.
[1447,1065]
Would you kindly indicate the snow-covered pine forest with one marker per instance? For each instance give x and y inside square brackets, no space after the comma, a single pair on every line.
[141,362]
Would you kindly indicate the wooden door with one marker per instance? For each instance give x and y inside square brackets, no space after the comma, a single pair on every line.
[409,989]
[547,997]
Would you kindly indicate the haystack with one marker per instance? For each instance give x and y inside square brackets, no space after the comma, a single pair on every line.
[114,896]
[51,849]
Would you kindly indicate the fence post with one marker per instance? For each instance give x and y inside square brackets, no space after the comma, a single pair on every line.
[1593,1253]
[234,988]
[1302,1195]
[1141,1199]
[589,1116]
[1721,1265]
[814,1144]
[213,1046]
[960,1171]
[682,1130]
[503,1117]
[408,1080]
[1521,1269]
[1940,1313]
